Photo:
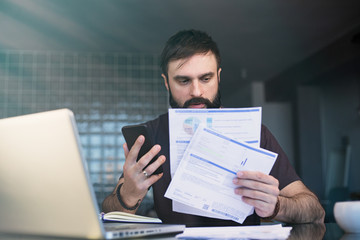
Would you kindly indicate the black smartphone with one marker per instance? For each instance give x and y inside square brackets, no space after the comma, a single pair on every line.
[131,133]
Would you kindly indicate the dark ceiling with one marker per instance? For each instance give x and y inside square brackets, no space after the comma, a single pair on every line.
[258,39]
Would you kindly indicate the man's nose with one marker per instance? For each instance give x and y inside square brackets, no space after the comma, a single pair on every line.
[196,89]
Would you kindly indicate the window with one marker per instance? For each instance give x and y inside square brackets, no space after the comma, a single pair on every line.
[104,90]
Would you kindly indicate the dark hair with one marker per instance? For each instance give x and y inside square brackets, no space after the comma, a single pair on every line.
[187,43]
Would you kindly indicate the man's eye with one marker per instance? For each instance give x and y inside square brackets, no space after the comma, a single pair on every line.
[185,81]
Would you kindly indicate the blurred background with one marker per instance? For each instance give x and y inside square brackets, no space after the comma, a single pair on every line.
[299,60]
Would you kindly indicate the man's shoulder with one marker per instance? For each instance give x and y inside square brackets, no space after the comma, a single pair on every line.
[163,118]
[267,139]
[159,123]
[158,128]
[264,130]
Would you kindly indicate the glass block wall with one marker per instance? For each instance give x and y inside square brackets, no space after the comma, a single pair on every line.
[104,90]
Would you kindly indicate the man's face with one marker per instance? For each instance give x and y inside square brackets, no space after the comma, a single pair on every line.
[194,82]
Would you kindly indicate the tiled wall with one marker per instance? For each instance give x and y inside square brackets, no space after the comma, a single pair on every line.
[104,90]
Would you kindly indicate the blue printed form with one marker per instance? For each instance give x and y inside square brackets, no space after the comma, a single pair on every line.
[203,179]
[242,124]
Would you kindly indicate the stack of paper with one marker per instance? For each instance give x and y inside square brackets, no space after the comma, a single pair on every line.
[250,232]
[202,180]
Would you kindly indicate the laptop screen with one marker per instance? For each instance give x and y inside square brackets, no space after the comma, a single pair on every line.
[45,186]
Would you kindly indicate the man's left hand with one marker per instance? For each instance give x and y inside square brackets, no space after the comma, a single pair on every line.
[258,190]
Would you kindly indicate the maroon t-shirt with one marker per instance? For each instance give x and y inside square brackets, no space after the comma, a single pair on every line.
[159,130]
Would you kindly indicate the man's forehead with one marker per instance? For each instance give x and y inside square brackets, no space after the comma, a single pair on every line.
[207,59]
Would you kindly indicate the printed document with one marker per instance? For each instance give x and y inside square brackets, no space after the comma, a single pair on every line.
[241,123]
[242,232]
[204,177]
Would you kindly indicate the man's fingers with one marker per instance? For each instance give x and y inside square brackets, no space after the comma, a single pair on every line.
[153,179]
[263,203]
[256,195]
[257,176]
[144,160]
[134,151]
[155,165]
[258,190]
[257,186]
[126,149]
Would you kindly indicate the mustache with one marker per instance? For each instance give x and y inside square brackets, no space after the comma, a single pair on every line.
[198,100]
[216,103]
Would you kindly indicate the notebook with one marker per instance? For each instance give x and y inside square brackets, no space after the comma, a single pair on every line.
[45,187]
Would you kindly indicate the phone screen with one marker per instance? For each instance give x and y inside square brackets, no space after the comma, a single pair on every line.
[131,133]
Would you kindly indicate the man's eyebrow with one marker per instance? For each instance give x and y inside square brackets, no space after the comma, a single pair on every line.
[208,74]
[181,77]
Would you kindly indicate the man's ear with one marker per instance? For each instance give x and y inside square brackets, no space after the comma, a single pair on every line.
[219,71]
[165,81]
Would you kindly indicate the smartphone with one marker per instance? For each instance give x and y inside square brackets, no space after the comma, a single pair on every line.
[131,133]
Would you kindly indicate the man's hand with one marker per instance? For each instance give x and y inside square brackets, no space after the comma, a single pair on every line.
[137,180]
[297,203]
[258,190]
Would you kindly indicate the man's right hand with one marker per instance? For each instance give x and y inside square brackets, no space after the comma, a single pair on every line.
[137,180]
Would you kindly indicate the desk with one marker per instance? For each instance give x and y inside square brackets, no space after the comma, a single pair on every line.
[328,231]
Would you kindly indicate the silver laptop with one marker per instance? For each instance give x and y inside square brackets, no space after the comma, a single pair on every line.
[45,187]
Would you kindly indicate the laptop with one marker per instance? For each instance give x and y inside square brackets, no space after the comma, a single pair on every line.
[45,187]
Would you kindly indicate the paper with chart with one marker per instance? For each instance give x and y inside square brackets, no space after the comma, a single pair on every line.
[241,123]
[204,177]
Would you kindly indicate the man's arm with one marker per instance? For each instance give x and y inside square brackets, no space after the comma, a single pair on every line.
[111,202]
[299,205]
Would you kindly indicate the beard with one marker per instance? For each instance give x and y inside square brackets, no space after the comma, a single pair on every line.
[216,103]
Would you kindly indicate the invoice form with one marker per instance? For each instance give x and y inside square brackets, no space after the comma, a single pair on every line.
[240,123]
[203,179]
